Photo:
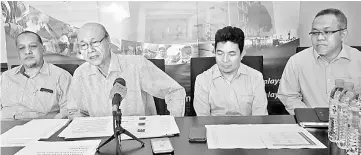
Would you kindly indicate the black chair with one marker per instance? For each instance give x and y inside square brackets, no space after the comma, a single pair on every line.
[299,49]
[160,103]
[4,67]
[201,64]
[68,67]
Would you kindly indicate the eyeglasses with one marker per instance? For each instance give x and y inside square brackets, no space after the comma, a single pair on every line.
[84,46]
[324,33]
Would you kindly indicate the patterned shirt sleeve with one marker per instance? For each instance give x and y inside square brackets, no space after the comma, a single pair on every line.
[157,83]
[75,96]
[201,102]
[289,88]
[63,86]
[259,106]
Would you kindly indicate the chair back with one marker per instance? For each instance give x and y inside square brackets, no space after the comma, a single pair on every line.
[68,67]
[160,103]
[4,67]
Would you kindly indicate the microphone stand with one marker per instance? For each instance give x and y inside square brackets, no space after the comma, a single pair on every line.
[118,129]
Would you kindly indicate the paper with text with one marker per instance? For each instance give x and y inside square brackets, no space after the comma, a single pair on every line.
[82,127]
[256,136]
[17,137]
[32,131]
[48,126]
[85,147]
[140,126]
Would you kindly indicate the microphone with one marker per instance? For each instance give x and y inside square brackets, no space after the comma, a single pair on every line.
[118,92]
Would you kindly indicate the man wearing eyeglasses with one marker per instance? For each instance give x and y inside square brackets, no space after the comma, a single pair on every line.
[35,89]
[310,74]
[93,80]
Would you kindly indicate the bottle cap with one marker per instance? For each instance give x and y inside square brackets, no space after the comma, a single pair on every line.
[349,85]
[339,82]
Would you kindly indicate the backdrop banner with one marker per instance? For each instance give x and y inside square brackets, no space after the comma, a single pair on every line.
[153,30]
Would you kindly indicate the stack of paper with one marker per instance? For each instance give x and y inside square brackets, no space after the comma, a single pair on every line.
[86,147]
[259,136]
[140,126]
[82,127]
[32,131]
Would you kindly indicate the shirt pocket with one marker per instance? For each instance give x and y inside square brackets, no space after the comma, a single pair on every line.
[45,100]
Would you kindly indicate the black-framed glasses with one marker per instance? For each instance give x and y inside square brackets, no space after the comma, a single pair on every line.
[324,33]
[84,46]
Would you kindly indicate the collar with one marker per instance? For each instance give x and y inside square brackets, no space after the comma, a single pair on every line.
[44,69]
[113,66]
[217,73]
[343,54]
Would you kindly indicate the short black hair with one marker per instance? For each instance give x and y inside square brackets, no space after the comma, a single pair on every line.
[28,32]
[229,33]
[338,13]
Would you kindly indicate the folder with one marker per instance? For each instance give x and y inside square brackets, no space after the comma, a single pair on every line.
[312,117]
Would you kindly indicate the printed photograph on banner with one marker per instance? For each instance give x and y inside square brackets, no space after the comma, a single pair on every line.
[206,50]
[59,38]
[170,22]
[271,31]
[179,54]
[131,48]
[57,26]
[154,51]
[211,17]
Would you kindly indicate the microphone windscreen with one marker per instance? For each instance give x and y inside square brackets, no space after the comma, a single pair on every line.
[120,81]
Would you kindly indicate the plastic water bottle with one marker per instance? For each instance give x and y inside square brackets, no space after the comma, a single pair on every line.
[343,114]
[353,134]
[354,128]
[334,100]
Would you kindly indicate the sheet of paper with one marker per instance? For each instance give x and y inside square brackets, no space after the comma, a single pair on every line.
[150,126]
[140,126]
[85,147]
[232,136]
[82,127]
[32,131]
[17,137]
[295,137]
[272,136]
[48,126]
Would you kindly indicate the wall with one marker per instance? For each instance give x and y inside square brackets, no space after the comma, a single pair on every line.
[308,11]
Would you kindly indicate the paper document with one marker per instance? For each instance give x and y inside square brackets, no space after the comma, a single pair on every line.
[47,126]
[140,126]
[150,126]
[232,136]
[86,147]
[32,131]
[82,127]
[272,136]
[16,136]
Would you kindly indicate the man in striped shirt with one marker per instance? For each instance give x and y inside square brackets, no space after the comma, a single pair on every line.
[35,89]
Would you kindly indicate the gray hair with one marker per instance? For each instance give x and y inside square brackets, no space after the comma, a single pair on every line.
[339,15]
